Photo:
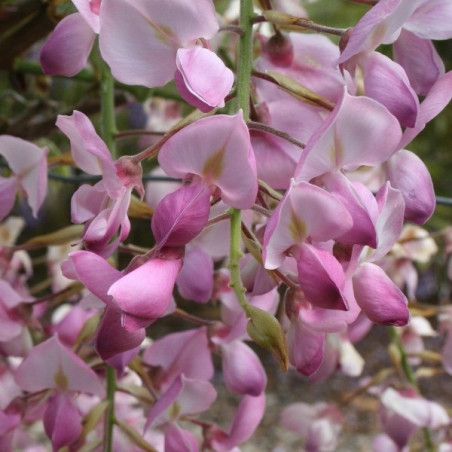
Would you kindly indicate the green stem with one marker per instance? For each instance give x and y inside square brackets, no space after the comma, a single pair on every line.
[108,122]
[244,65]
[245,58]
[234,258]
[108,129]
[110,414]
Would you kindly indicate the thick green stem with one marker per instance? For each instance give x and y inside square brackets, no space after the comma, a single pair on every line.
[108,128]
[234,258]
[245,57]
[110,414]
[108,122]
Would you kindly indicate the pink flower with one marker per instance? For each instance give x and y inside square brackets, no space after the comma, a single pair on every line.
[218,152]
[102,207]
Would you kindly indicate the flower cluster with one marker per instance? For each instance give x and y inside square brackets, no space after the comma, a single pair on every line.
[292,220]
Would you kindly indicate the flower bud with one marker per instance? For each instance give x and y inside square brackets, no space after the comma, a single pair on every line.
[279,50]
[266,331]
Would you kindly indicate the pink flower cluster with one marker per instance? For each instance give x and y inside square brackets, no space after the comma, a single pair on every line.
[325,186]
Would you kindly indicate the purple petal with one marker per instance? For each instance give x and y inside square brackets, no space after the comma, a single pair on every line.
[380,299]
[180,216]
[67,50]
[321,278]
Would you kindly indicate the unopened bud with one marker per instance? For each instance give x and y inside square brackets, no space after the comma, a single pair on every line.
[266,331]
[279,50]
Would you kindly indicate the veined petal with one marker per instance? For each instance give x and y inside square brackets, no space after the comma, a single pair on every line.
[180,216]
[51,365]
[305,211]
[137,52]
[218,149]
[359,131]
[67,49]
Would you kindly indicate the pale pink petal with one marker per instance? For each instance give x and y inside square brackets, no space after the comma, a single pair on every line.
[112,339]
[8,189]
[378,25]
[185,353]
[437,99]
[137,51]
[28,163]
[51,365]
[180,216]
[305,347]
[242,370]
[144,294]
[90,10]
[87,202]
[383,442]
[380,299]
[62,421]
[390,220]
[408,173]
[204,79]
[217,149]
[321,278]
[420,60]
[195,280]
[305,211]
[379,72]
[431,20]
[67,49]
[359,131]
[90,153]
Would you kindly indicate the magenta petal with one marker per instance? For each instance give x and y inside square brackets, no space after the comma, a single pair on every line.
[67,50]
[144,294]
[204,78]
[321,278]
[305,347]
[195,280]
[218,149]
[62,421]
[380,299]
[408,173]
[112,339]
[93,271]
[8,189]
[242,370]
[180,216]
